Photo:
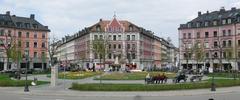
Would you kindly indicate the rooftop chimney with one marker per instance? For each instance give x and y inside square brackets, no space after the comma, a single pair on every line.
[207,12]
[100,20]
[8,13]
[233,9]
[199,13]
[32,16]
[222,9]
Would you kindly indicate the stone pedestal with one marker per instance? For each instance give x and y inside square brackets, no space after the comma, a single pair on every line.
[54,75]
[5,66]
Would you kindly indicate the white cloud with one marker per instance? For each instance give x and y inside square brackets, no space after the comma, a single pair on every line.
[69,16]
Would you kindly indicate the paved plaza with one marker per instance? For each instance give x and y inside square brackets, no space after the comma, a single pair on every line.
[61,92]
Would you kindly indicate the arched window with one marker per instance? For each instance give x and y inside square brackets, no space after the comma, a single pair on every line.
[130,28]
[98,28]
[238,18]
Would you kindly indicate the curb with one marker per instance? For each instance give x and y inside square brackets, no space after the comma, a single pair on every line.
[121,94]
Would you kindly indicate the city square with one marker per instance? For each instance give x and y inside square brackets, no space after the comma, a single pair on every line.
[118,54]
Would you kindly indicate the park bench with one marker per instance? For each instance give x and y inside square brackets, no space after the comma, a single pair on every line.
[180,77]
[196,77]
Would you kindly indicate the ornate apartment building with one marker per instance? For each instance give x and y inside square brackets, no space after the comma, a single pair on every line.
[29,36]
[132,44]
[218,34]
[124,38]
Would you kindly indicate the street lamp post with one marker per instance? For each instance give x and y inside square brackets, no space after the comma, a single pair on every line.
[26,88]
[213,86]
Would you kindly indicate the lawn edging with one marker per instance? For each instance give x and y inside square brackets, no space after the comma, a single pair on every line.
[6,81]
[153,87]
[76,75]
[131,76]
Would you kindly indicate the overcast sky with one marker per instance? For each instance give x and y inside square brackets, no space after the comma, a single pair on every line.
[69,16]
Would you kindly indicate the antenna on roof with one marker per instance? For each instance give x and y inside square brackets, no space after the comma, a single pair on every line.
[114,14]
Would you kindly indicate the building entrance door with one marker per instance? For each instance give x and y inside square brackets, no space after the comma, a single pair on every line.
[1,66]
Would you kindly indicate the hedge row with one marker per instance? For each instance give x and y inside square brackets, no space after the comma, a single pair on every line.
[142,87]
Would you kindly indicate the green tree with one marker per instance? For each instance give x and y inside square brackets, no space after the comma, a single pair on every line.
[188,54]
[228,57]
[82,58]
[52,49]
[99,47]
[7,43]
[199,53]
[16,57]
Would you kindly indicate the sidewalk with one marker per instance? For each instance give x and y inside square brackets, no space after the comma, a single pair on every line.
[50,91]
[91,80]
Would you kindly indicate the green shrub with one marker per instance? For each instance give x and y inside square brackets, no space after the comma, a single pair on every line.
[5,81]
[131,76]
[153,87]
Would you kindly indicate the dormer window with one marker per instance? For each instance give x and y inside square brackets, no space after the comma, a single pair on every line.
[198,24]
[2,23]
[35,26]
[215,23]
[98,28]
[19,24]
[224,21]
[206,24]
[189,25]
[27,25]
[229,21]
[5,23]
[130,28]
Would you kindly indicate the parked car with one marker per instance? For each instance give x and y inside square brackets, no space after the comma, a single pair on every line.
[29,71]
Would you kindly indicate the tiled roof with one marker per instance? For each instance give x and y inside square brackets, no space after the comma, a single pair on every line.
[6,20]
[217,15]
[210,17]
[103,24]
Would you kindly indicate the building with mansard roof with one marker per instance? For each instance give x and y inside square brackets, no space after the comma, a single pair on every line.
[30,38]
[217,34]
[132,45]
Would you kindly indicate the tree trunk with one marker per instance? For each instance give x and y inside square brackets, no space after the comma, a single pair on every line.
[229,71]
[187,63]
[42,66]
[197,67]
[19,69]
[94,68]
[82,64]
[7,63]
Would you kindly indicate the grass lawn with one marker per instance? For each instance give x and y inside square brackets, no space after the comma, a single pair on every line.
[142,87]
[77,75]
[131,76]
[5,81]
[222,74]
